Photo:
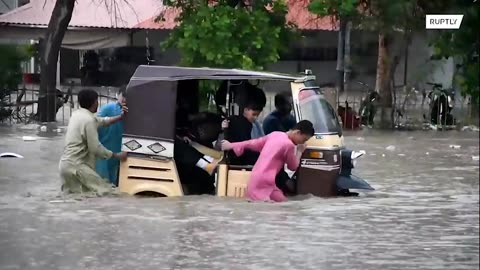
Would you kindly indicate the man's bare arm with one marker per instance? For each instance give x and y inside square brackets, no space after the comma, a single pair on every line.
[106,121]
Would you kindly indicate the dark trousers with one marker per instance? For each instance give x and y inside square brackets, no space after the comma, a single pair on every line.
[185,153]
[197,180]
[281,181]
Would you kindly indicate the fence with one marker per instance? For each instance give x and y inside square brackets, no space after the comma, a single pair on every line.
[412,108]
[23,103]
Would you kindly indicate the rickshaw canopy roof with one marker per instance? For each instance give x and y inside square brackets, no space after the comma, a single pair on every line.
[174,73]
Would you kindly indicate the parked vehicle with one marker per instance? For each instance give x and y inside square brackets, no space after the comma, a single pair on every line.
[441,105]
[368,105]
[150,133]
[350,118]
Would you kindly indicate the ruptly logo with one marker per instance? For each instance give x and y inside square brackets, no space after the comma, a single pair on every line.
[443,21]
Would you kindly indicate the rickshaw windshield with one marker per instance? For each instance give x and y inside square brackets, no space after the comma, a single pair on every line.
[315,108]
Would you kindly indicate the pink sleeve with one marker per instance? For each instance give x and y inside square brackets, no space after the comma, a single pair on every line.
[253,145]
[292,160]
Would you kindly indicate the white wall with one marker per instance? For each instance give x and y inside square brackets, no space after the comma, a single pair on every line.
[421,69]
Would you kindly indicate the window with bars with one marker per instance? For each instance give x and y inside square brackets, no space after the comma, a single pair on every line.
[325,54]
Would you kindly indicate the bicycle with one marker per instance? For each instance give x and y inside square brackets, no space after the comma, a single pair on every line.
[400,112]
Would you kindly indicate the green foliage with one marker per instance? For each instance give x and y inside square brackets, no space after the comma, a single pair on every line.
[219,35]
[389,16]
[337,8]
[383,16]
[464,45]
[11,58]
[207,88]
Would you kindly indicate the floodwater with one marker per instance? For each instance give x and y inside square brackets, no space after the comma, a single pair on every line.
[424,214]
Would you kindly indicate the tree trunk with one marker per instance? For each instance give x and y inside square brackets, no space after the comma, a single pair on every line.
[393,90]
[348,61]
[61,16]
[340,55]
[382,85]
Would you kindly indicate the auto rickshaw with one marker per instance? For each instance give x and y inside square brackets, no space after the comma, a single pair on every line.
[149,135]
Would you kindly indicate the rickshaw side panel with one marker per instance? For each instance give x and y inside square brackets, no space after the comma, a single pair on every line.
[237,183]
[232,182]
[150,123]
[149,132]
[143,174]
[222,180]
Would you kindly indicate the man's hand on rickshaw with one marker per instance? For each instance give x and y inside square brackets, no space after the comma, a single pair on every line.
[124,108]
[122,156]
[187,139]
[226,145]
[225,124]
[110,120]
[301,148]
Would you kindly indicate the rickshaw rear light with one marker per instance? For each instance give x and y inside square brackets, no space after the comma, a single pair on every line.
[316,154]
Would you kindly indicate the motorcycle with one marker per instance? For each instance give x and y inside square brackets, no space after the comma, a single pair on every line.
[441,105]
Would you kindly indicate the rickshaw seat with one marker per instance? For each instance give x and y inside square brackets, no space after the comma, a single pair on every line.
[207,151]
[241,167]
[233,180]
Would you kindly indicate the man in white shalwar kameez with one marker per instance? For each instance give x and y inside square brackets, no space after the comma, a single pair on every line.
[82,148]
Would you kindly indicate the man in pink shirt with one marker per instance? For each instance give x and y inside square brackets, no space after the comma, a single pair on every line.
[276,150]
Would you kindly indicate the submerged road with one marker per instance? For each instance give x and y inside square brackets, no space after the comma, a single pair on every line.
[424,214]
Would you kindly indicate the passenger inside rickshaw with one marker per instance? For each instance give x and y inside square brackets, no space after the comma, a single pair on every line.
[251,101]
[195,169]
[281,119]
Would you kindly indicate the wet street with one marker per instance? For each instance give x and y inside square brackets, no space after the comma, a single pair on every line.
[424,214]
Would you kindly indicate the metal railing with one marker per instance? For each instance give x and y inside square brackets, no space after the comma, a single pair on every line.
[412,108]
[23,103]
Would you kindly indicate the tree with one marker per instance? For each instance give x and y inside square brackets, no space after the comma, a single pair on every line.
[49,51]
[11,58]
[50,48]
[393,21]
[464,45]
[230,33]
[343,11]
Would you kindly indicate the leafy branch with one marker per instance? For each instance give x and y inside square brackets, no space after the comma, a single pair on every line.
[230,34]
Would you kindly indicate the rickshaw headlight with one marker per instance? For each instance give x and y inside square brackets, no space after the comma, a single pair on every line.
[316,154]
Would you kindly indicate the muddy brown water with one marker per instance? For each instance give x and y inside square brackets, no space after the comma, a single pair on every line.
[424,214]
